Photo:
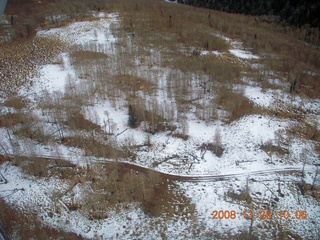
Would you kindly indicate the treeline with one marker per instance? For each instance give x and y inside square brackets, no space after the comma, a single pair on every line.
[294,12]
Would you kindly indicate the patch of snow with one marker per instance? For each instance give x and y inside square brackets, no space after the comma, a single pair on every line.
[243,54]
[205,52]
[262,98]
[53,78]
[7,110]
[94,34]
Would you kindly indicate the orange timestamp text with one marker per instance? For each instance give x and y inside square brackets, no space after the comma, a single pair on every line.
[262,214]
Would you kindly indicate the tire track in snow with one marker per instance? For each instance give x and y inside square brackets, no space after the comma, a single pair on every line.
[188,178]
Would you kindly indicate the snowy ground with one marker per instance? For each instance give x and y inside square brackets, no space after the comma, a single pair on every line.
[241,140]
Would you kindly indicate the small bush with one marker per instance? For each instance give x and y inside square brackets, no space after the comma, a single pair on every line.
[17,103]
[76,121]
[132,121]
[269,147]
[181,136]
[215,149]
[2,159]
[243,196]
[306,130]
[12,119]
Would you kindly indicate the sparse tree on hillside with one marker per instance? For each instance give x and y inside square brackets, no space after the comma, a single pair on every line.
[184,125]
[315,177]
[108,123]
[217,140]
[304,157]
[132,118]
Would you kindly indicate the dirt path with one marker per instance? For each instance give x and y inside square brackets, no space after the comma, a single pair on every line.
[209,178]
[188,178]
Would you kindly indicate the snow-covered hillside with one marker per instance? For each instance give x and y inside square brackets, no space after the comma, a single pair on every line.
[255,142]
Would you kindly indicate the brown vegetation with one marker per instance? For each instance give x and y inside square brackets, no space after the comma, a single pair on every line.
[11,119]
[270,148]
[3,159]
[79,56]
[46,167]
[181,25]
[124,186]
[215,148]
[17,102]
[26,16]
[309,189]
[19,61]
[94,148]
[242,196]
[235,103]
[181,136]
[306,131]
[25,226]
[132,84]
[76,121]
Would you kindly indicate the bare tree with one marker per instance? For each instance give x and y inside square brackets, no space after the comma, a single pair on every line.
[303,156]
[217,140]
[315,177]
[108,123]
[184,126]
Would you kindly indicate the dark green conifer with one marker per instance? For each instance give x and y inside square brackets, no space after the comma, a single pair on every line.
[132,118]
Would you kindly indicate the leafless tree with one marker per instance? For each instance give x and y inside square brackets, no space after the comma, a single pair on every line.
[217,139]
[315,177]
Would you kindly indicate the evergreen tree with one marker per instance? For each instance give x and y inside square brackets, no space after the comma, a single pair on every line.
[132,118]
[295,12]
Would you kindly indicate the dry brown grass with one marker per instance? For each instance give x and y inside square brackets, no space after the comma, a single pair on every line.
[181,136]
[242,196]
[168,29]
[94,148]
[19,61]
[80,56]
[76,121]
[235,103]
[156,196]
[34,166]
[46,167]
[308,190]
[305,131]
[178,25]
[11,119]
[2,159]
[223,72]
[132,84]
[27,226]
[16,102]
[270,148]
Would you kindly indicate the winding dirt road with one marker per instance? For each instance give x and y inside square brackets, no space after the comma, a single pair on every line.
[187,178]
[212,178]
